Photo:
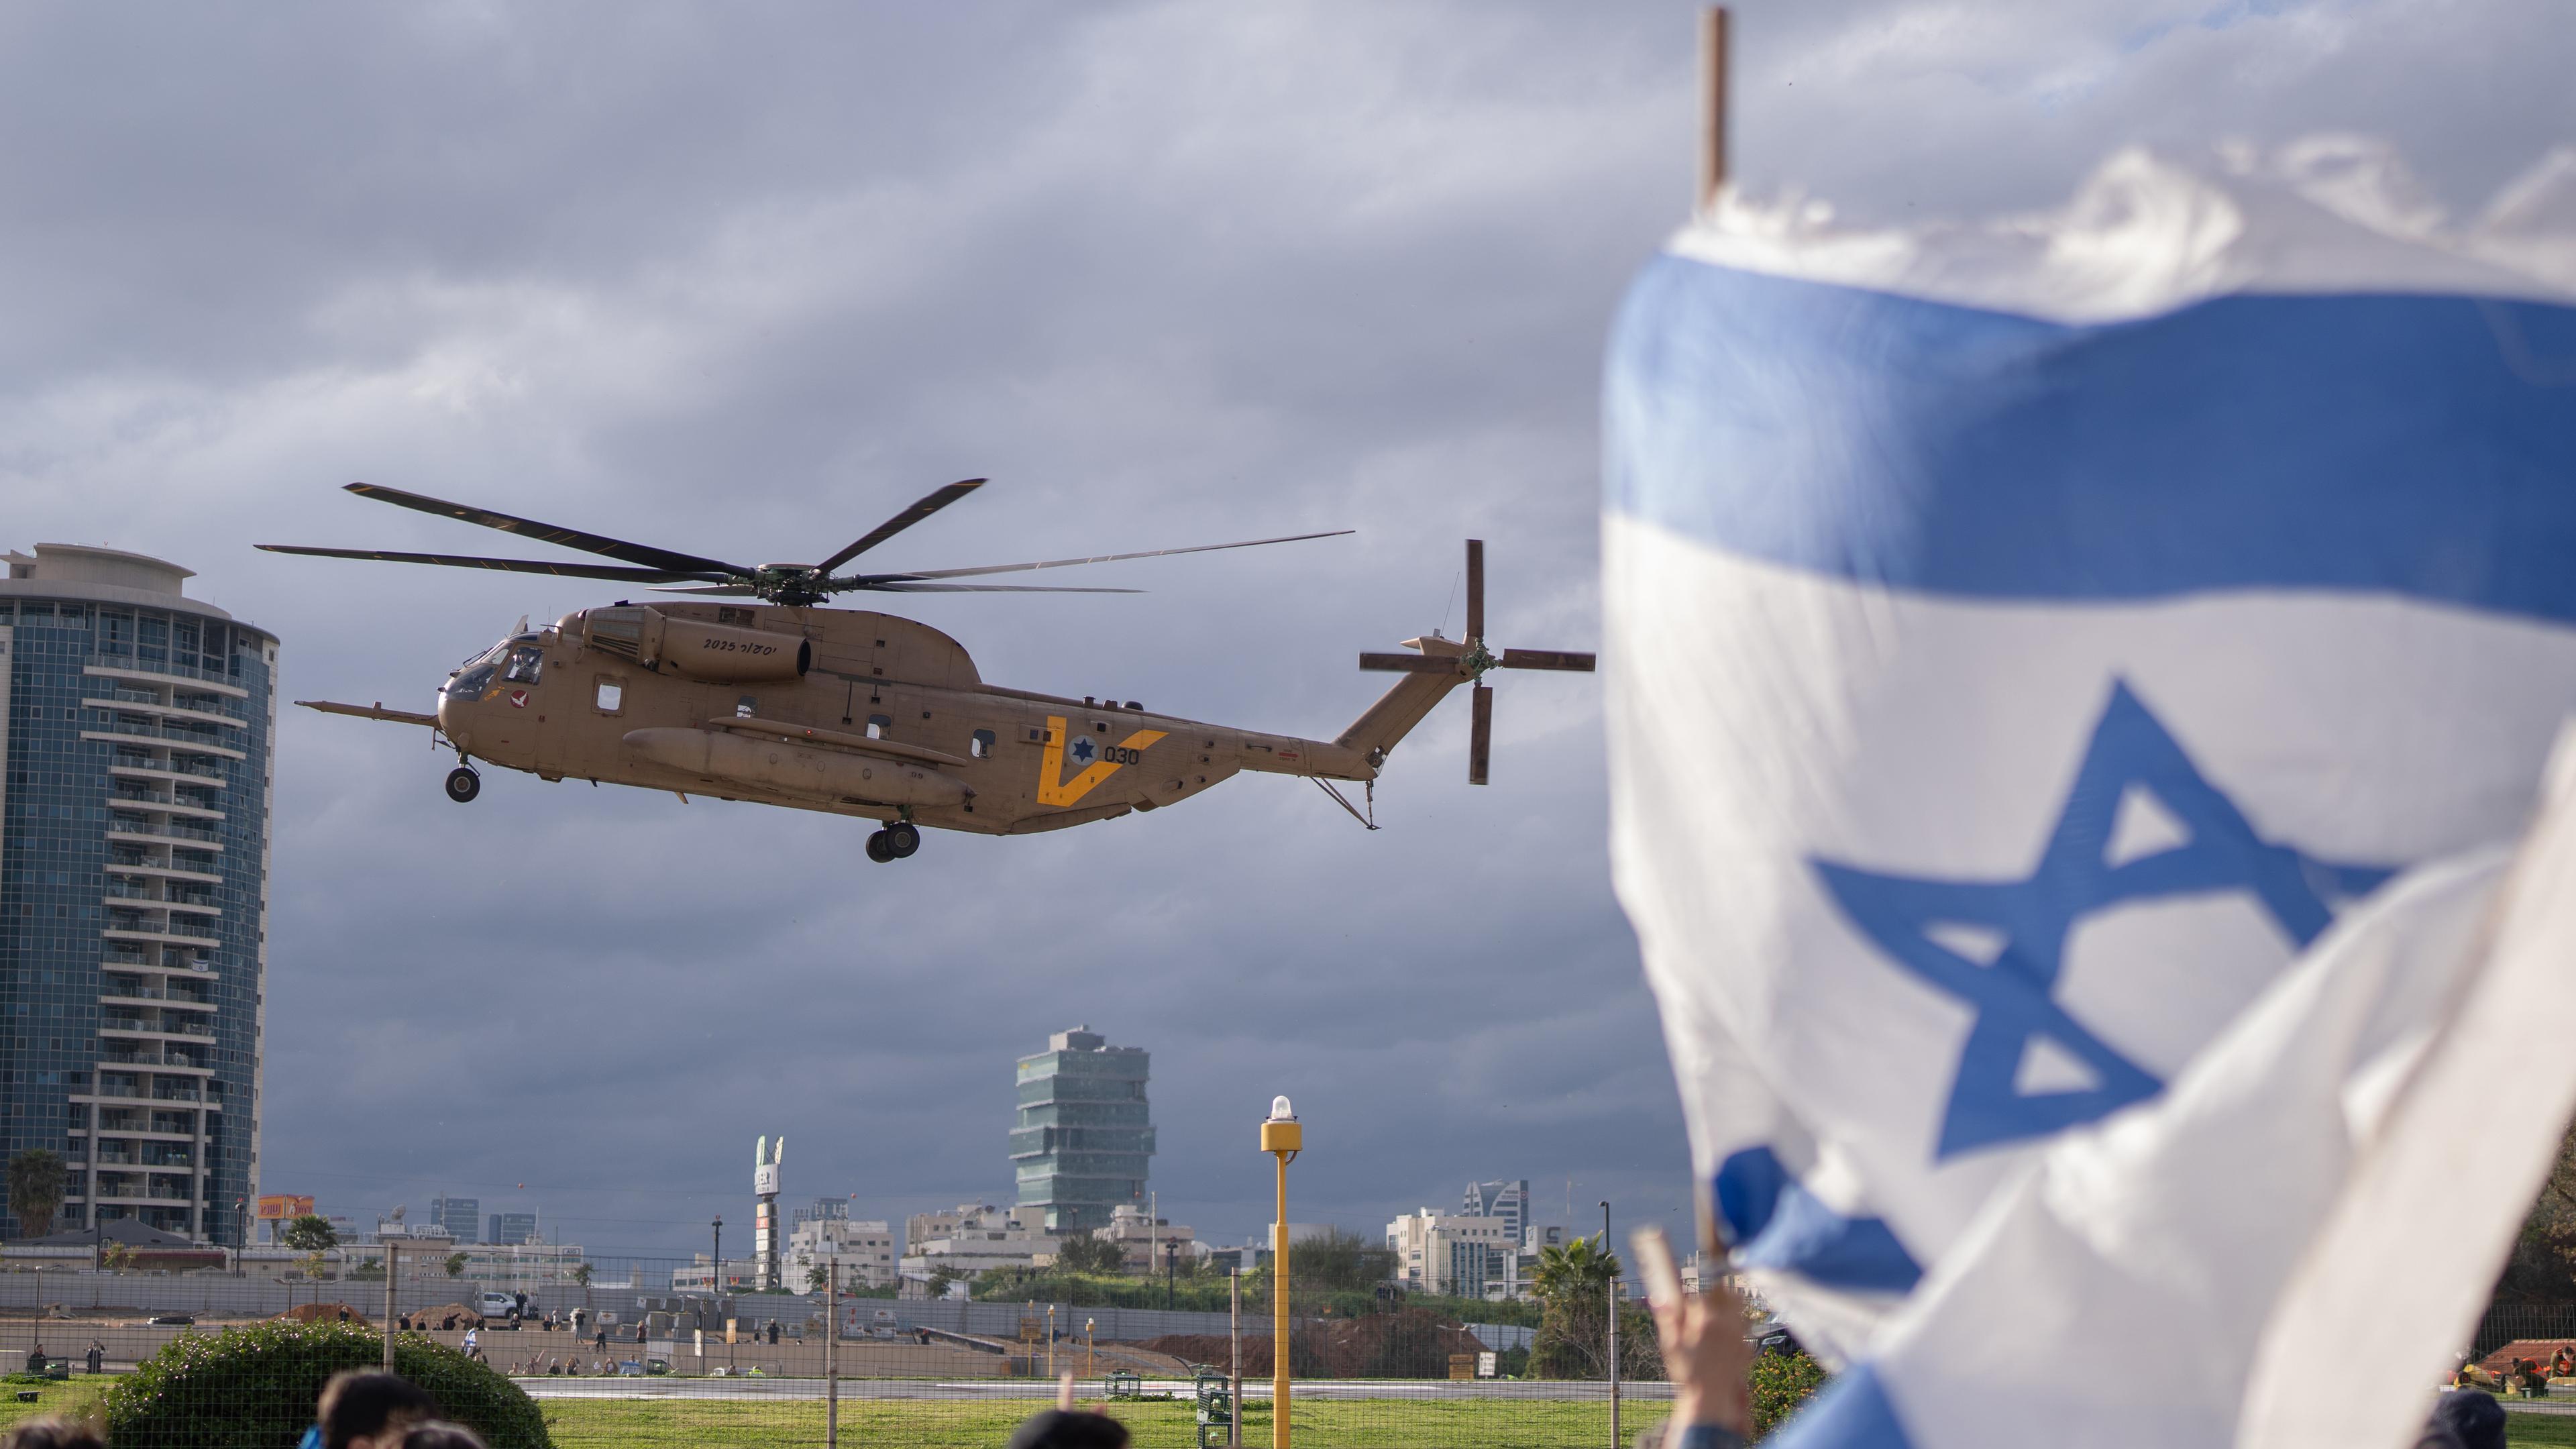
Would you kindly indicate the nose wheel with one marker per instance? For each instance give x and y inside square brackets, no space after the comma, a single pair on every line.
[896,842]
[463,784]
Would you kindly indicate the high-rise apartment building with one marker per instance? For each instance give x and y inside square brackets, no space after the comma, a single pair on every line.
[511,1229]
[136,726]
[462,1217]
[1085,1131]
[1508,1200]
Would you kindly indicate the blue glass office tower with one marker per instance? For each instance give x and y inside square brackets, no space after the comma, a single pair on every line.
[1085,1132]
[136,727]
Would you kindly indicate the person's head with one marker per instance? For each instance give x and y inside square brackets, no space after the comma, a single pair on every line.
[2473,1416]
[52,1431]
[2437,1437]
[1066,1429]
[363,1409]
[439,1434]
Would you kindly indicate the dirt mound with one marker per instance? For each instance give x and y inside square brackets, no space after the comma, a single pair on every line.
[429,1318]
[1410,1344]
[323,1313]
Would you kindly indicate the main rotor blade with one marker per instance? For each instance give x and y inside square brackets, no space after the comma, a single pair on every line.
[1409,663]
[927,505]
[908,588]
[869,581]
[617,548]
[505,565]
[1480,734]
[1547,659]
[1475,588]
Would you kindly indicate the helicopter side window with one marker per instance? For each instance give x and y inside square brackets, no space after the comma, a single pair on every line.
[878,724]
[981,745]
[611,696]
[526,663]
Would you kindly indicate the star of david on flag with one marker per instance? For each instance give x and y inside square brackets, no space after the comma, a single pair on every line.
[2140,823]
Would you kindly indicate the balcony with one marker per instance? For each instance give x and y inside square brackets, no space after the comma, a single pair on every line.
[134,731]
[197,837]
[192,712]
[118,667]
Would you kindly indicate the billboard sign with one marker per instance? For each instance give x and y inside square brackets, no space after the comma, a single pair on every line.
[278,1207]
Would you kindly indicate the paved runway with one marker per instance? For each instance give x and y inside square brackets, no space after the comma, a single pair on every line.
[1088,1389]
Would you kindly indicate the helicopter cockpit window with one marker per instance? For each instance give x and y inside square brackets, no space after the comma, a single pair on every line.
[472,680]
[981,745]
[526,663]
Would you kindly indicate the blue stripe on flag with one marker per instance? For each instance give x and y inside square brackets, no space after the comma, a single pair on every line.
[1777,1225]
[1852,1412]
[2421,445]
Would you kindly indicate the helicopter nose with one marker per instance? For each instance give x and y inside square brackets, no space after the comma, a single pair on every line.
[455,720]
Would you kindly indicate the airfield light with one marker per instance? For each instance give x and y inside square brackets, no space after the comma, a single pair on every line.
[1282,1137]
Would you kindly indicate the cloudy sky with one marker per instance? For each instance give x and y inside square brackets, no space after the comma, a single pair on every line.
[746,279]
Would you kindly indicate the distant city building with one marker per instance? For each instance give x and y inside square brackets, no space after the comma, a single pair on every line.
[461,1216]
[740,1275]
[1450,1253]
[1143,1242]
[136,750]
[1508,1200]
[1520,1269]
[510,1229]
[973,1238]
[766,1239]
[822,1208]
[865,1250]
[1085,1131]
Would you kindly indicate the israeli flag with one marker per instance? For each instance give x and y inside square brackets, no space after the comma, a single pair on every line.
[2082,695]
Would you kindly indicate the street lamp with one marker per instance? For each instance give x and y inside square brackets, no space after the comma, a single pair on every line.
[1090,1350]
[1614,1324]
[1282,1138]
[715,1277]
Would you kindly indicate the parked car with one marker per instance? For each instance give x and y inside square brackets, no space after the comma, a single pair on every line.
[495,1305]
[170,1320]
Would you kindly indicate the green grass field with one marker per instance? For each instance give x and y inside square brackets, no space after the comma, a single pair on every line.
[982,1423]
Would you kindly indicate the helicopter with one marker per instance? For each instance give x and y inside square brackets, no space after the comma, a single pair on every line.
[781,701]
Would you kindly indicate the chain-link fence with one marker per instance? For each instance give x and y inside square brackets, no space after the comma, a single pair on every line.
[634,1361]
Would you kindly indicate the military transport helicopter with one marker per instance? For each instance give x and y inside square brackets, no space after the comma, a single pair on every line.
[783,702]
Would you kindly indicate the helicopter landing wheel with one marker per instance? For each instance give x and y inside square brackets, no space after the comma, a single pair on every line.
[902,838]
[463,784]
[877,848]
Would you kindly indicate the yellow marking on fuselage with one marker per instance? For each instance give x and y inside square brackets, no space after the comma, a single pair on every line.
[1054,790]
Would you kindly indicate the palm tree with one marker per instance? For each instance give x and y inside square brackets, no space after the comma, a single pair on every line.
[1579,1267]
[36,1189]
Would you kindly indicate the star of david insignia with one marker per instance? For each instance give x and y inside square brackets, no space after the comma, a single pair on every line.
[1084,751]
[2140,824]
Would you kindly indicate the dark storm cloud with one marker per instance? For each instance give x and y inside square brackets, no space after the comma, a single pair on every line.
[746,280]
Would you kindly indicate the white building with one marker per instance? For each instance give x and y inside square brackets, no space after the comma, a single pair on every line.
[1145,1242]
[973,1238]
[1451,1253]
[865,1249]
[739,1275]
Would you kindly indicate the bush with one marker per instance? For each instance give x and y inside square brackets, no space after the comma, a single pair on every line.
[255,1388]
[1781,1382]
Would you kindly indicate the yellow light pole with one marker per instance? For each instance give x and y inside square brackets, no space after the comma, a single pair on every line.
[1282,1138]
[1090,1350]
[1050,1340]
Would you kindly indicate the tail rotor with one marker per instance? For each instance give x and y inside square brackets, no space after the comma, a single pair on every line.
[1472,661]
